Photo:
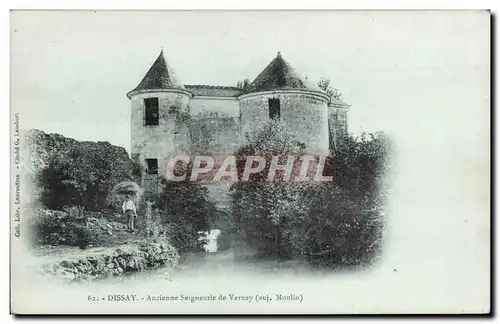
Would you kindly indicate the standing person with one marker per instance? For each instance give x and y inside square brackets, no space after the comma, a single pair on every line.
[129,210]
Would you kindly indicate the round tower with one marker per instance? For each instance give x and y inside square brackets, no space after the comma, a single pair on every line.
[159,121]
[280,92]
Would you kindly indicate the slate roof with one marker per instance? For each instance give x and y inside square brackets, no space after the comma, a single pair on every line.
[279,74]
[213,91]
[159,76]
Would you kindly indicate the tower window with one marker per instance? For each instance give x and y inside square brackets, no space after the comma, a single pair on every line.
[152,165]
[152,113]
[274,108]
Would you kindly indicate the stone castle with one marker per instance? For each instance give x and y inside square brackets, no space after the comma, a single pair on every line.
[170,118]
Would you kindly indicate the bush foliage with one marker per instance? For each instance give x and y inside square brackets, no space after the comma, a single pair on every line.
[187,213]
[360,164]
[73,227]
[329,224]
[86,176]
[72,173]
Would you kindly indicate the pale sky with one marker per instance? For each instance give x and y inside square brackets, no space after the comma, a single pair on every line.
[71,70]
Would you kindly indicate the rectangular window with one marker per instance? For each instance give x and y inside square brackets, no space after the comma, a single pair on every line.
[152,166]
[174,110]
[152,113]
[274,108]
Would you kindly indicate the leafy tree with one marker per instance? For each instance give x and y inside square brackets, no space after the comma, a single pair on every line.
[243,84]
[273,138]
[339,230]
[187,211]
[328,224]
[325,85]
[360,164]
[84,175]
[262,209]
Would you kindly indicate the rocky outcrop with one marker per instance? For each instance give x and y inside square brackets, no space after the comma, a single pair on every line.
[117,262]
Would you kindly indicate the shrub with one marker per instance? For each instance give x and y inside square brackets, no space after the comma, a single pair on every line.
[187,213]
[71,227]
[361,164]
[75,213]
[82,174]
[326,224]
[322,224]
[154,226]
[338,229]
[52,227]
[85,236]
[262,210]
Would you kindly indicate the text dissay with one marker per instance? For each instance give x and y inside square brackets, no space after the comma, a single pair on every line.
[126,298]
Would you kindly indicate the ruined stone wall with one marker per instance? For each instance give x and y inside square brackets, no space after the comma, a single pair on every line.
[305,112]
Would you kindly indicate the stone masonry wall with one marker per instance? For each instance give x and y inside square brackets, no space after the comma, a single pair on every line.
[337,122]
[215,135]
[217,126]
[306,114]
[171,135]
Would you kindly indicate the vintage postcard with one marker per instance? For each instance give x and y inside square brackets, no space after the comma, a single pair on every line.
[250,162]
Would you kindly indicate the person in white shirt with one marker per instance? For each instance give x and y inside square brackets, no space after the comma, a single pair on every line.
[129,210]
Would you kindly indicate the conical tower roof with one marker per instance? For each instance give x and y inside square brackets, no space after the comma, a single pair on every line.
[279,74]
[159,76]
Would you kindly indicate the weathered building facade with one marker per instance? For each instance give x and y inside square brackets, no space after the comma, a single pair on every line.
[169,118]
